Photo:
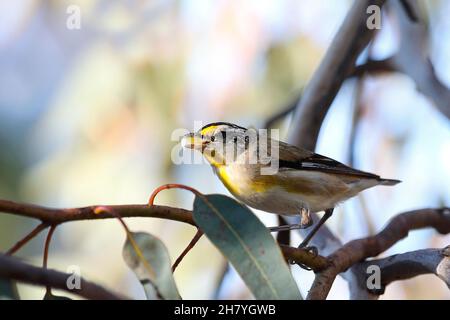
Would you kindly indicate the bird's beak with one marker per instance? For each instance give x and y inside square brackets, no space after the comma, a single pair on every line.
[193,141]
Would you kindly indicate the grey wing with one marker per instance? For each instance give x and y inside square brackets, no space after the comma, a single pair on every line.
[297,158]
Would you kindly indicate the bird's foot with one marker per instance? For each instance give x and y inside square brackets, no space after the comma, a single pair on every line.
[311,249]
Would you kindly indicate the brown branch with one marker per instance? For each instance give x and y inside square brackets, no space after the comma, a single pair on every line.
[327,268]
[340,58]
[413,59]
[286,110]
[411,264]
[52,215]
[55,216]
[15,269]
[369,67]
[337,64]
[373,67]
[410,10]
[339,61]
[358,250]
[58,216]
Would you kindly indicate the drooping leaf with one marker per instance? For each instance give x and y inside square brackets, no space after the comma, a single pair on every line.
[153,268]
[8,290]
[247,244]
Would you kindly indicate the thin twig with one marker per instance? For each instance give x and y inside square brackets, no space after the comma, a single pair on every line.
[130,237]
[48,289]
[170,186]
[285,111]
[373,67]
[47,245]
[191,245]
[26,239]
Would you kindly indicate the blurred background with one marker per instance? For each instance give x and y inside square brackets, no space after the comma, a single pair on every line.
[87,114]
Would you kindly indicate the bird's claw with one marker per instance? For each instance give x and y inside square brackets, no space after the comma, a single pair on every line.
[301,265]
[311,249]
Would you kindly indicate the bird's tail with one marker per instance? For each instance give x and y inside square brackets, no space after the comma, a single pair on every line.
[389,182]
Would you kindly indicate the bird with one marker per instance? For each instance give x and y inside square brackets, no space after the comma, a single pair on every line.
[276,177]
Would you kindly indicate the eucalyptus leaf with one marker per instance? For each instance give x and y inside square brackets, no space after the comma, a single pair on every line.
[8,290]
[153,268]
[247,244]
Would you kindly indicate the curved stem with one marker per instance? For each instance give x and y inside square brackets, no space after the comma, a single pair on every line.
[130,237]
[26,239]
[191,244]
[48,288]
[170,186]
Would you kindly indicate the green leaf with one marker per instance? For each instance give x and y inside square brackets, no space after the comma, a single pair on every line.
[153,267]
[8,290]
[247,244]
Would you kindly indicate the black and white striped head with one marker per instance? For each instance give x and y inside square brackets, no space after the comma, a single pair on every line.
[214,139]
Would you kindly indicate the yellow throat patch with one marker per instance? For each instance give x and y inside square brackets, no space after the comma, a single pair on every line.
[240,185]
[227,180]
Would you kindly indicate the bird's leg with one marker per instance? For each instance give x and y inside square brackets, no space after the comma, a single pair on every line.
[305,218]
[304,244]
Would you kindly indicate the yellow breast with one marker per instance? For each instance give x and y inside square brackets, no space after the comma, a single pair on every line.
[239,182]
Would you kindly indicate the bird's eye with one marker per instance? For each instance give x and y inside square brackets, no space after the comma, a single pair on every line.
[247,139]
[213,138]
